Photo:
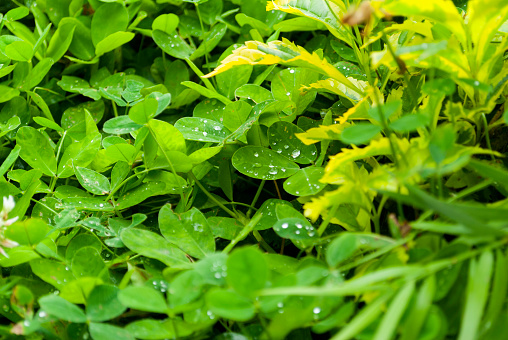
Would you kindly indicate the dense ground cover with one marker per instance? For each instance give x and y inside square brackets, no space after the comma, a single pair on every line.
[244,169]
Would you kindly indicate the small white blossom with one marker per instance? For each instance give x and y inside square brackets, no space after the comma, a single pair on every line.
[11,221]
[8,204]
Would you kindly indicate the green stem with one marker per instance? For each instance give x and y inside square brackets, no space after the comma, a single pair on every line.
[244,233]
[487,136]
[165,156]
[115,110]
[262,242]
[196,70]
[258,192]
[326,221]
[207,193]
[460,195]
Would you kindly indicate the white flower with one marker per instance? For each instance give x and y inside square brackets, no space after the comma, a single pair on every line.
[8,204]
[10,221]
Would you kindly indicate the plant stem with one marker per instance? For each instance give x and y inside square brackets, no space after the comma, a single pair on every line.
[196,70]
[165,156]
[210,196]
[258,192]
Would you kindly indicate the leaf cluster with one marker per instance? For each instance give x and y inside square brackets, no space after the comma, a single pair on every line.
[248,169]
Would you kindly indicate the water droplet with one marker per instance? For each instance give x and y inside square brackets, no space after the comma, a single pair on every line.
[288,94]
[285,225]
[204,133]
[217,128]
[291,71]
[295,153]
[256,154]
[316,310]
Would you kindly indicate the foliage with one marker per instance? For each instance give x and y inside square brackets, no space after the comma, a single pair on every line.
[253,170]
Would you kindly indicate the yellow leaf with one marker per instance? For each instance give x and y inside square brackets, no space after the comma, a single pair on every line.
[319,10]
[333,173]
[440,11]
[484,19]
[334,86]
[281,52]
[324,132]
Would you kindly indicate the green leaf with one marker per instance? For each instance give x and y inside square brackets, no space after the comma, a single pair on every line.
[62,309]
[442,142]
[153,329]
[17,13]
[262,163]
[210,40]
[185,288]
[247,271]
[143,111]
[36,150]
[359,133]
[92,181]
[37,74]
[173,44]
[112,42]
[287,83]
[202,129]
[206,91]
[166,23]
[253,92]
[189,231]
[47,123]
[104,331]
[478,286]
[231,305]
[120,125]
[88,262]
[268,213]
[59,10]
[139,194]
[305,182]
[224,227]
[363,319]
[108,19]
[236,114]
[7,93]
[143,298]
[319,10]
[168,137]
[409,123]
[19,50]
[28,232]
[151,245]
[11,158]
[17,256]
[121,152]
[103,304]
[79,154]
[61,41]
[295,228]
[81,46]
[390,320]
[282,139]
[499,175]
